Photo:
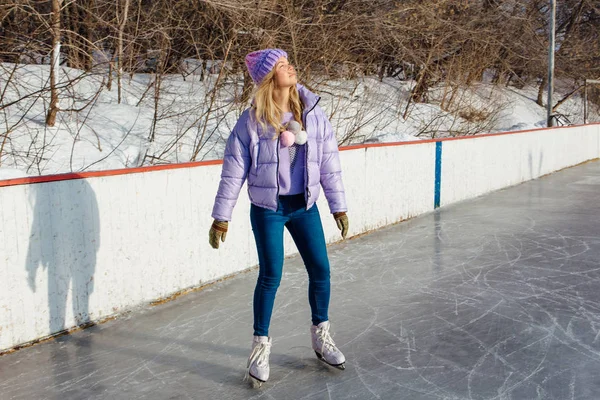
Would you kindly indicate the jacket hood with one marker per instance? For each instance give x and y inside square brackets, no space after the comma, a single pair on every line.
[309,99]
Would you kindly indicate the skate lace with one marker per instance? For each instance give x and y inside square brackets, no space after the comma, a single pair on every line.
[325,337]
[260,354]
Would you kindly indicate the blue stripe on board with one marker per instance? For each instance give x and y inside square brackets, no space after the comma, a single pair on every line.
[438,174]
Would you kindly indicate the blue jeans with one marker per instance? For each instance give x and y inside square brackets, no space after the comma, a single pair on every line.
[306,230]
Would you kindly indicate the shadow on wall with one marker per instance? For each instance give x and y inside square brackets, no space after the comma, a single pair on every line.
[64,239]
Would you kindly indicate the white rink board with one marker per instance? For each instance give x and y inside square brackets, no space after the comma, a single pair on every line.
[83,250]
[475,166]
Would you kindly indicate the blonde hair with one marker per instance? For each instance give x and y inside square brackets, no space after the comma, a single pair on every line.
[267,112]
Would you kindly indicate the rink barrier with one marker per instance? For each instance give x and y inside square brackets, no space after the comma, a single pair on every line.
[438,175]
[83,247]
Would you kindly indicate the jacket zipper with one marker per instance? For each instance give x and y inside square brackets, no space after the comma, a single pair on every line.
[307,193]
[277,178]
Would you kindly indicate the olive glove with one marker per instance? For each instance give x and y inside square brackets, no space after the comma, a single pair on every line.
[341,219]
[218,230]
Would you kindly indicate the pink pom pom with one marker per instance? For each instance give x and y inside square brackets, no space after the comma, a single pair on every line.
[287,138]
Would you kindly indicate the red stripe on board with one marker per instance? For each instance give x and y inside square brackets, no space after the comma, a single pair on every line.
[365,146]
[125,171]
[111,172]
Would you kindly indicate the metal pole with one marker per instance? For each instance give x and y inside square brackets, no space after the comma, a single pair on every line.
[551,60]
[586,109]
[585,101]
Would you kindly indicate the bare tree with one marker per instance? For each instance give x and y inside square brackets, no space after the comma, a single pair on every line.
[54,65]
[122,19]
[431,51]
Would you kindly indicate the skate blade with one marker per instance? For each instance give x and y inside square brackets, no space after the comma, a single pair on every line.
[341,366]
[255,382]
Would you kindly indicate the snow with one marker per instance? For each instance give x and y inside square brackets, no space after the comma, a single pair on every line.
[103,134]
[12,173]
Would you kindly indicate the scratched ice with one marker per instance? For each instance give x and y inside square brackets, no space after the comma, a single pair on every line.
[493,298]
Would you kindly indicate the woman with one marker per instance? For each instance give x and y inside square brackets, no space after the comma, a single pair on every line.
[285,146]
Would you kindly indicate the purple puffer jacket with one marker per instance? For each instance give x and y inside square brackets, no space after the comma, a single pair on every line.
[253,154]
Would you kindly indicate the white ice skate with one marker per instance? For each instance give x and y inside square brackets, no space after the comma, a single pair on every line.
[258,362]
[324,347]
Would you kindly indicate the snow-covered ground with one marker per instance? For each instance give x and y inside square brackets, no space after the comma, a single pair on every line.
[191,120]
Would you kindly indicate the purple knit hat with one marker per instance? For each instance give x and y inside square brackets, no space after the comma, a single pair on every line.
[261,62]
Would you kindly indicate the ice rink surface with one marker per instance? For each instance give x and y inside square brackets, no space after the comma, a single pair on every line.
[492,298]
